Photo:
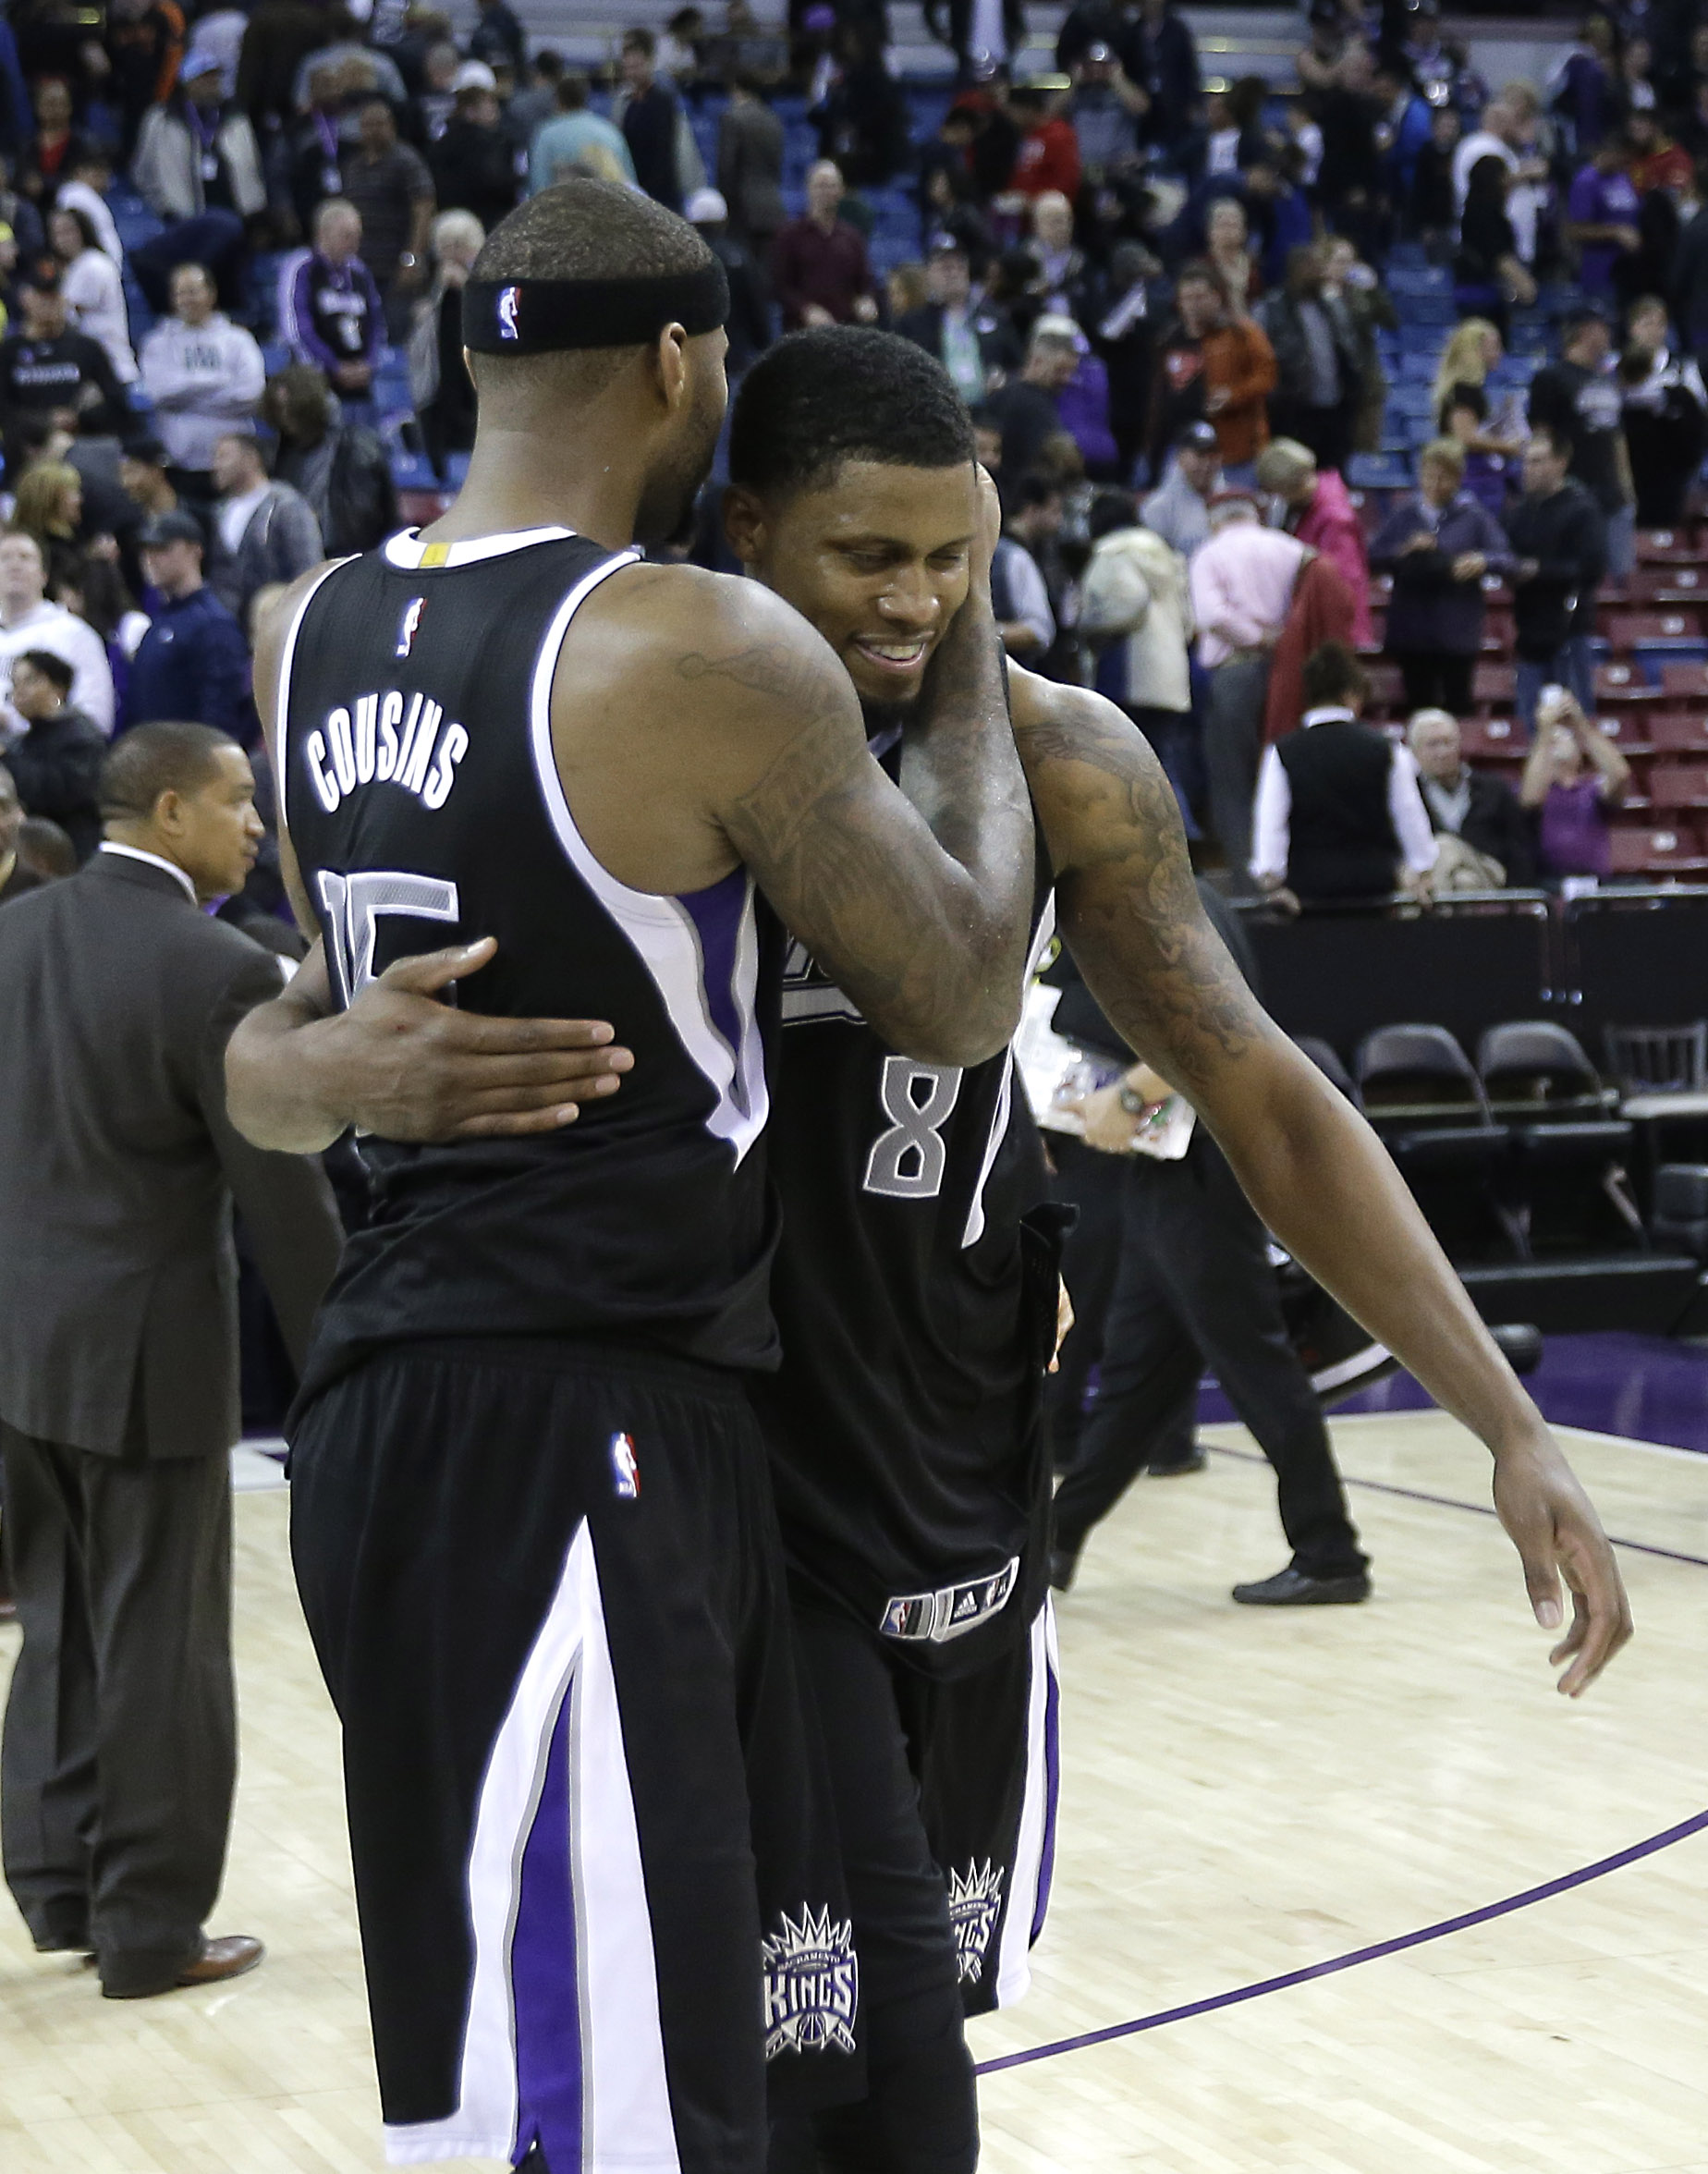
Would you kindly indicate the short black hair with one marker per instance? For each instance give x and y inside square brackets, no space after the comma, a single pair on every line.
[1037,488]
[587,229]
[1331,674]
[1111,510]
[840,393]
[154,758]
[580,230]
[51,668]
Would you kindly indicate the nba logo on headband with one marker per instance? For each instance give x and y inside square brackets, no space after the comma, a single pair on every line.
[508,299]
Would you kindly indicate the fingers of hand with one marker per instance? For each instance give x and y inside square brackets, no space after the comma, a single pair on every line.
[432,969]
[483,1035]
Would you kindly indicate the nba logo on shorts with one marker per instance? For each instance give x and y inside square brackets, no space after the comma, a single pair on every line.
[625,1467]
[509,301]
[410,625]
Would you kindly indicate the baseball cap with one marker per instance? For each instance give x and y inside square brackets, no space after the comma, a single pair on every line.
[170,528]
[706,207]
[474,74]
[198,62]
[1201,437]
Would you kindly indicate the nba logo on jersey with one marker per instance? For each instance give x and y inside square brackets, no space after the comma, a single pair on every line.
[509,301]
[625,1467]
[975,1901]
[812,1985]
[410,626]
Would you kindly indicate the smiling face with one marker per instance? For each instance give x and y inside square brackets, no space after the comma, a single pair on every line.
[876,556]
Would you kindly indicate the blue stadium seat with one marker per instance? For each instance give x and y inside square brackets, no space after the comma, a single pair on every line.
[1418,279]
[412,471]
[1378,471]
[1426,309]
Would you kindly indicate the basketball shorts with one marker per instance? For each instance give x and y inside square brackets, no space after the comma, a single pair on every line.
[600,1891]
[946,1791]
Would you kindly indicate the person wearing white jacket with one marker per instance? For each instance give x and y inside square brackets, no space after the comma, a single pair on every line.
[94,287]
[204,373]
[1135,585]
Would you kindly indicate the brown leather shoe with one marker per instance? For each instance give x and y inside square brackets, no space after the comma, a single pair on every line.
[225,1958]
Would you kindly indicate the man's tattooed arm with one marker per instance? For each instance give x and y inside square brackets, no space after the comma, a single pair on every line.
[923,924]
[1311,1166]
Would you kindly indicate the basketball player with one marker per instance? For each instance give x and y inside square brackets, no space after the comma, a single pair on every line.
[908,1282]
[531,1519]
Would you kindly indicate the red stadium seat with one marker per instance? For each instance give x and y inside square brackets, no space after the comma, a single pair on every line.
[1629,730]
[1493,686]
[1622,683]
[1626,629]
[1677,784]
[1685,680]
[1387,689]
[1667,546]
[1493,740]
[1670,584]
[1679,731]
[1675,850]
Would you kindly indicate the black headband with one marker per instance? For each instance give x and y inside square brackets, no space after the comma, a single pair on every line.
[541,316]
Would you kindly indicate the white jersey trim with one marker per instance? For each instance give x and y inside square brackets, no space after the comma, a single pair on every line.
[660,928]
[406,550]
[626,2102]
[1037,1818]
[1004,1100]
[287,657]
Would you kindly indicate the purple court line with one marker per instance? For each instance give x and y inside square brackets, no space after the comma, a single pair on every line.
[1489,1912]
[1476,1508]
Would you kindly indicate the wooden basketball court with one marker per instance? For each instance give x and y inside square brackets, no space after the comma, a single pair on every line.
[1245,1795]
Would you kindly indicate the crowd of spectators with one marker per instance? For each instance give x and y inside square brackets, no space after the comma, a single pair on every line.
[1163,294]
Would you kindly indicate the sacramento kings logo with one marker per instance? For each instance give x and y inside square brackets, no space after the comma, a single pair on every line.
[811,1986]
[975,1901]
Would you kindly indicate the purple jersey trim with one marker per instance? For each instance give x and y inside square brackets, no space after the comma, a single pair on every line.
[716,913]
[543,1979]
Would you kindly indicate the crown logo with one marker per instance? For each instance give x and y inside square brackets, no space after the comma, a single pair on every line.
[812,1985]
[975,1904]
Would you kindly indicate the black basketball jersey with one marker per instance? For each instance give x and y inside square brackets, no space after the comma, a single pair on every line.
[419,784]
[916,1311]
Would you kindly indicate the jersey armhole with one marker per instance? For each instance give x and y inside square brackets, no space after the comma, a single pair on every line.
[287,657]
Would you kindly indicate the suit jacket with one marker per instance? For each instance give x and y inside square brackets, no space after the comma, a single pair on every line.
[998,346]
[118,1167]
[750,172]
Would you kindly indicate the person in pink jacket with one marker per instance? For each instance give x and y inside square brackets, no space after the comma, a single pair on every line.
[1320,512]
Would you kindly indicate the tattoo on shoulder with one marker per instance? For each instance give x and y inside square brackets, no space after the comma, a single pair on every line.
[1131,908]
[796,678]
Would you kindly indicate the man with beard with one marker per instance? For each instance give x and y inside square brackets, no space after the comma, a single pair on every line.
[532,1523]
[912,1282]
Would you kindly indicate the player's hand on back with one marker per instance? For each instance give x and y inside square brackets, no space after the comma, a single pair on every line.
[418,1068]
[1552,1525]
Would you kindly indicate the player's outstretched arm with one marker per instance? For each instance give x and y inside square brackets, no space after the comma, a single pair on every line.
[1311,1166]
[921,918]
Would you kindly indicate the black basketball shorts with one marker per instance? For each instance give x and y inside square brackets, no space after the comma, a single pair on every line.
[946,1791]
[597,1875]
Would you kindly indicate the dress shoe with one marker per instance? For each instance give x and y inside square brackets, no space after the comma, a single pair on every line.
[54,1945]
[1171,1468]
[219,1959]
[1291,1588]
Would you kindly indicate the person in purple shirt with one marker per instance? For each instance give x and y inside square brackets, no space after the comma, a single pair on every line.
[330,311]
[1573,776]
[1602,213]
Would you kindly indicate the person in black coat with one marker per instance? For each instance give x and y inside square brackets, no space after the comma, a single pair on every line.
[118,1368]
[1438,543]
[970,339]
[649,118]
[473,162]
[56,765]
[1560,541]
[1471,805]
[347,483]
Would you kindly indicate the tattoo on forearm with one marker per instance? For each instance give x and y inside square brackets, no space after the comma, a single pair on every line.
[1130,909]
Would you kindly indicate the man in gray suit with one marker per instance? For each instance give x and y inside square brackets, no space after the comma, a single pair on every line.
[118,1361]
